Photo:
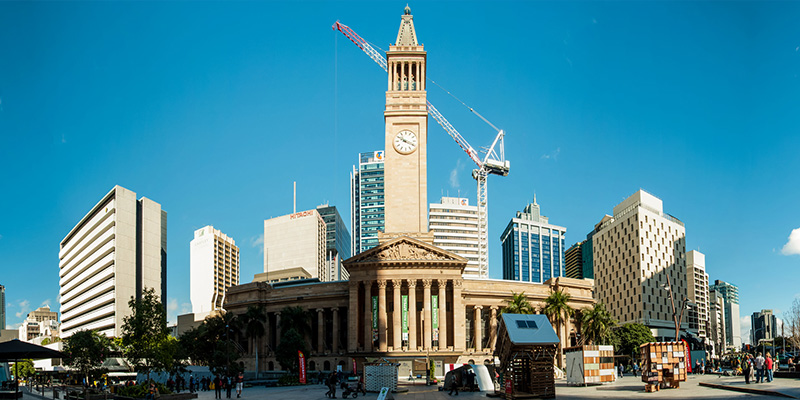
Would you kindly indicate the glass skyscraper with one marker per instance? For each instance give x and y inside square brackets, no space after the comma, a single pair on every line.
[367,211]
[533,250]
[337,241]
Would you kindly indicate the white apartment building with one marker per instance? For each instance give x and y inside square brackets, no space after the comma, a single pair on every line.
[214,267]
[716,314]
[114,252]
[294,248]
[39,324]
[697,279]
[634,252]
[454,224]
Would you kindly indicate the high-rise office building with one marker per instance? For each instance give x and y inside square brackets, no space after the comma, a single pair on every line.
[213,268]
[294,248]
[454,224]
[367,206]
[533,249]
[638,252]
[763,326]
[574,261]
[115,252]
[730,296]
[697,279]
[2,307]
[716,316]
[337,242]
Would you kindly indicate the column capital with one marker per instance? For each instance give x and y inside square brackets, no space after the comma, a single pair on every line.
[478,307]
[458,283]
[278,313]
[367,283]
[334,309]
[382,283]
[412,283]
[494,308]
[442,283]
[426,283]
[320,310]
[397,283]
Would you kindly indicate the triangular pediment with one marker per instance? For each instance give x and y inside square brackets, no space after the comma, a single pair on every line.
[405,249]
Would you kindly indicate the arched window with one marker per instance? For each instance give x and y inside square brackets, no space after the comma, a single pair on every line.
[327,366]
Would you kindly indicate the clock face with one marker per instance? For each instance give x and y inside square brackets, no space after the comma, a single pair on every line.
[405,142]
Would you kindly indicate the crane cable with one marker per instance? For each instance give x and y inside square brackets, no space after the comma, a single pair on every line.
[446,91]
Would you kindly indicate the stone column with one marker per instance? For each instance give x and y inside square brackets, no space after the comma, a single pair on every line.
[335,330]
[493,327]
[412,315]
[382,315]
[320,330]
[442,314]
[352,318]
[265,344]
[367,316]
[477,326]
[277,329]
[397,328]
[427,330]
[459,317]
[423,73]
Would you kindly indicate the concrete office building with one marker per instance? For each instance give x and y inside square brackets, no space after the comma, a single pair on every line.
[2,307]
[730,296]
[213,268]
[533,249]
[406,299]
[716,325]
[574,261]
[40,323]
[763,326]
[454,224]
[337,242]
[635,251]
[294,248]
[367,206]
[114,252]
[697,279]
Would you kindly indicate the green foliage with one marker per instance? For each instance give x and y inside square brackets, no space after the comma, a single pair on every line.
[288,380]
[596,324]
[295,318]
[432,371]
[86,351]
[24,368]
[518,304]
[213,344]
[556,307]
[627,338]
[145,337]
[286,353]
[254,320]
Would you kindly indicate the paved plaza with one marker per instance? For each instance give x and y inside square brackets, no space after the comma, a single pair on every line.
[625,388]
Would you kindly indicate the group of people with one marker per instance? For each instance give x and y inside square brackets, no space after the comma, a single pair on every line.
[336,378]
[759,367]
[204,384]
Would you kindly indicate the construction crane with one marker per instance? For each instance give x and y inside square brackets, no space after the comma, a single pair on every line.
[493,162]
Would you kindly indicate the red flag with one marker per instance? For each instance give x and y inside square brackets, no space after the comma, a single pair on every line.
[355,370]
[302,359]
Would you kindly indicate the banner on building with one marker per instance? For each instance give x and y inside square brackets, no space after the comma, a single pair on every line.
[435,316]
[404,313]
[355,370]
[302,361]
[374,319]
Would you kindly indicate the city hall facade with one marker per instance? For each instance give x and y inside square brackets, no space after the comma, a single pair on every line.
[405,299]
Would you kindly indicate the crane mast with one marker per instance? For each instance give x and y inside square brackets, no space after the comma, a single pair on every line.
[493,163]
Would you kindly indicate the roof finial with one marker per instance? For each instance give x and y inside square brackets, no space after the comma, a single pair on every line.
[407,10]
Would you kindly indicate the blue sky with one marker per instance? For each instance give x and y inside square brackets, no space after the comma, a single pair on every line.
[213,109]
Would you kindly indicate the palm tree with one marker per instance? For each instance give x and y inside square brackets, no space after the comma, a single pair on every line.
[518,304]
[254,320]
[295,318]
[596,324]
[557,310]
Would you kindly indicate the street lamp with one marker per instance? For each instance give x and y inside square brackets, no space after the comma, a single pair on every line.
[677,317]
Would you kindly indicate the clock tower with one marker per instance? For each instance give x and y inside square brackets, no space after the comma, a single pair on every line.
[406,117]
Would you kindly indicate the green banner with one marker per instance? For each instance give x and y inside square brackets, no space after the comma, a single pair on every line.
[435,316]
[374,318]
[404,316]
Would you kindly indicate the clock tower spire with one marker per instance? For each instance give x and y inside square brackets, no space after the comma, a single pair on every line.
[406,118]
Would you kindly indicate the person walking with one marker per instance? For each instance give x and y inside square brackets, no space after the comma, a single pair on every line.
[228,386]
[747,368]
[790,363]
[768,366]
[239,384]
[759,368]
[217,387]
[453,385]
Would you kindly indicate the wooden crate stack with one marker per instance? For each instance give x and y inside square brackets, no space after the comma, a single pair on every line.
[663,364]
[590,364]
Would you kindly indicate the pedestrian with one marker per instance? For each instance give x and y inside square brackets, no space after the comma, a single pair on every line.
[453,385]
[191,383]
[332,381]
[759,368]
[228,386]
[635,368]
[239,384]
[217,387]
[703,367]
[768,367]
[791,364]
[747,368]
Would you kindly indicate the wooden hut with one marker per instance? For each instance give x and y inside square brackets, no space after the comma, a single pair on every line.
[526,348]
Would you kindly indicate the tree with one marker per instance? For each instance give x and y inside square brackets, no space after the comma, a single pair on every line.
[557,310]
[254,320]
[24,368]
[86,351]
[213,344]
[596,324]
[518,304]
[145,335]
[297,318]
[294,326]
[792,322]
[628,337]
